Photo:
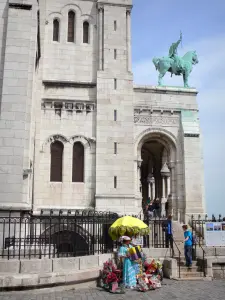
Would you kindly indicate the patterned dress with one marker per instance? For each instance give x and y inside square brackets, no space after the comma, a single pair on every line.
[129,268]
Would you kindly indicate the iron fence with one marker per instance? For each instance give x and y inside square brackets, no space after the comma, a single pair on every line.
[65,234]
[198,226]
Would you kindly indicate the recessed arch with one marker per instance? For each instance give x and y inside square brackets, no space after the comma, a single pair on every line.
[56,163]
[86,32]
[78,162]
[71,26]
[87,142]
[71,6]
[52,138]
[164,136]
[56,29]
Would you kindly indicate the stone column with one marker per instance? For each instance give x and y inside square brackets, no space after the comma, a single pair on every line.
[163,187]
[100,36]
[153,190]
[168,186]
[149,191]
[173,188]
[139,162]
[128,14]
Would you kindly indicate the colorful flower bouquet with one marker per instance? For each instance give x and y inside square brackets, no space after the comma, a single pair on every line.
[111,278]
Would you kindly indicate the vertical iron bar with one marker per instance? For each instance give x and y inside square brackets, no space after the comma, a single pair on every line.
[14,236]
[50,234]
[3,237]
[9,232]
[24,238]
[20,228]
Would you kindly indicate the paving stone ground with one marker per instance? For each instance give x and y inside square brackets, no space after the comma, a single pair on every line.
[171,290]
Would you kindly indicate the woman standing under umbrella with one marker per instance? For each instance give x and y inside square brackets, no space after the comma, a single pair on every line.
[129,267]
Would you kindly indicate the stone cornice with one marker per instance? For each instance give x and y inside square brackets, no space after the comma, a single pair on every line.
[191,135]
[103,3]
[63,84]
[18,4]
[165,90]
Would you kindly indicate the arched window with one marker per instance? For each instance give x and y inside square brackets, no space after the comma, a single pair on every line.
[85,32]
[55,30]
[56,161]
[78,163]
[71,26]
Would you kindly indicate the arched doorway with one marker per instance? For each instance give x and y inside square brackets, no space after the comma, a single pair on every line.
[156,150]
[155,173]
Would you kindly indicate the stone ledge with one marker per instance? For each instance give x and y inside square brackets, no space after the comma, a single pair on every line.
[63,84]
[164,89]
[47,279]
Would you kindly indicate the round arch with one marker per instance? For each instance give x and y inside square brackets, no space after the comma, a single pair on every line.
[54,137]
[163,136]
[67,239]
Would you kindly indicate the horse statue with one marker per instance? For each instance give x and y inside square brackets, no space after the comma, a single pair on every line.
[176,65]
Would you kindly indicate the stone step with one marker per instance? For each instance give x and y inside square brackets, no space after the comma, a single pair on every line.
[183,263]
[194,279]
[191,274]
[190,270]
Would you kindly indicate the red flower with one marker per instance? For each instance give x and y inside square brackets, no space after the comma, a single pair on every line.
[111,278]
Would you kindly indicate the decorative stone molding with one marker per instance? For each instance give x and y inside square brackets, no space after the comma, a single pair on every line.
[87,142]
[156,120]
[148,116]
[83,139]
[68,105]
[57,137]
[191,135]
[53,138]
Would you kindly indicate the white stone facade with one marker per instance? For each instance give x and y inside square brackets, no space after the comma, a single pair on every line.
[84,92]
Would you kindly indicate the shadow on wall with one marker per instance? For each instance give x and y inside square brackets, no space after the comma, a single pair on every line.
[69,243]
[2,50]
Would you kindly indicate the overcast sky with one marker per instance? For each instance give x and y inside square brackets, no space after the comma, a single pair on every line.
[155,25]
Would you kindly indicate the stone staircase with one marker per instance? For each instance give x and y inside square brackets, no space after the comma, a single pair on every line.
[196,272]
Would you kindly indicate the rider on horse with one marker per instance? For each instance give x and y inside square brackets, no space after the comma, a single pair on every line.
[173,48]
[173,52]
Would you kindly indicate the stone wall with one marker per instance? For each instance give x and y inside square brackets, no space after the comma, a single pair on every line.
[70,61]
[45,272]
[18,36]
[115,169]
[214,261]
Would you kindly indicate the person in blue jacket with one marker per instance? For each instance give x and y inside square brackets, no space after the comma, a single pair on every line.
[187,245]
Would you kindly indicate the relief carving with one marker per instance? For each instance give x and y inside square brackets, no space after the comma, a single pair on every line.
[156,120]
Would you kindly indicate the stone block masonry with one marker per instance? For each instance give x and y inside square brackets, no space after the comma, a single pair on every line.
[80,89]
[19,57]
[47,272]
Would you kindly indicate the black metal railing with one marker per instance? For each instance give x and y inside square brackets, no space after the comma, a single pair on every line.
[198,231]
[198,226]
[65,234]
[203,260]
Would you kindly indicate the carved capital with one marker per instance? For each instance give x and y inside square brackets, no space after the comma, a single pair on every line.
[128,12]
[100,9]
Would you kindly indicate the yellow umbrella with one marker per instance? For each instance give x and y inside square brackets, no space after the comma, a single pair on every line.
[128,226]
